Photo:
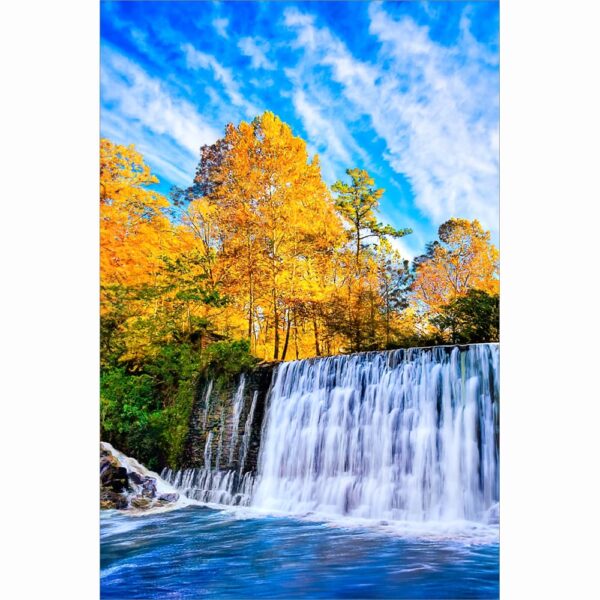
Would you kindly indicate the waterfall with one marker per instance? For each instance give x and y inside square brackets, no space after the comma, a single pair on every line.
[403,435]
[207,402]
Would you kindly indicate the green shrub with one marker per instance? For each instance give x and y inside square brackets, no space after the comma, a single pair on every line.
[228,357]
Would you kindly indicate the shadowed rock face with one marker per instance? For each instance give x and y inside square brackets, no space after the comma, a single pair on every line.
[126,488]
[226,421]
[222,448]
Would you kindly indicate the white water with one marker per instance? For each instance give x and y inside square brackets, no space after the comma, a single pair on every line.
[403,435]
[211,483]
[207,402]
[212,486]
[238,401]
[247,434]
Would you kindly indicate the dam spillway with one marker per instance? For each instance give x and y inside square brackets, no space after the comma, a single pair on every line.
[403,435]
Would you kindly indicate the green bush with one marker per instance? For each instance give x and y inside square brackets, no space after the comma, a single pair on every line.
[146,414]
[228,357]
[128,407]
[473,318]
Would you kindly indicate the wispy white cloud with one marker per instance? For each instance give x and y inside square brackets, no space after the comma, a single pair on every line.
[200,60]
[257,50]
[221,24]
[434,106]
[144,108]
[327,126]
[165,156]
[319,128]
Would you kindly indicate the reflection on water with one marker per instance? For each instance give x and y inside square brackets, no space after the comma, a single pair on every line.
[198,552]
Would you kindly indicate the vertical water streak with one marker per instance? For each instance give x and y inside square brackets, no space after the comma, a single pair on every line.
[247,434]
[208,450]
[207,403]
[220,442]
[238,401]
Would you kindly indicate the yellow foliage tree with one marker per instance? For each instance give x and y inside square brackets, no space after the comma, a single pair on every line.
[275,218]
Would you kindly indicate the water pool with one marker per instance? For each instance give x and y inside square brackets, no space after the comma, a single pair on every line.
[201,552]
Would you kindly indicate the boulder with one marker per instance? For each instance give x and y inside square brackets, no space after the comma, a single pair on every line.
[149,487]
[136,478]
[140,502]
[168,498]
[112,475]
[109,499]
[122,489]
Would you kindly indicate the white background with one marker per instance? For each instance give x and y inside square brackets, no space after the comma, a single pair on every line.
[550,364]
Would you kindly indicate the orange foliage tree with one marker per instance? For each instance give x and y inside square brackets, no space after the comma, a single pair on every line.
[258,249]
[464,259]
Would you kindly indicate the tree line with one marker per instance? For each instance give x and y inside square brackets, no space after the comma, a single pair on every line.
[259,248]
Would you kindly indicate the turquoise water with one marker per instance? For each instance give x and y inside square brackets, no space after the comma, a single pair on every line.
[199,552]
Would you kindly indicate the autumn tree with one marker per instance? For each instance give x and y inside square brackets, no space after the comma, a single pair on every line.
[357,203]
[153,279]
[274,214]
[131,215]
[133,234]
[463,259]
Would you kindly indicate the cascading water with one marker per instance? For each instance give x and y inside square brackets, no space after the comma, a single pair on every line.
[237,408]
[207,402]
[403,435]
[218,481]
[247,433]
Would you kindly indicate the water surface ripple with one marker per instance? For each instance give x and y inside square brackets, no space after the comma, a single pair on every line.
[200,552]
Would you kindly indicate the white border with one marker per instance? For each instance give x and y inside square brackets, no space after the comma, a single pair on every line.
[549,220]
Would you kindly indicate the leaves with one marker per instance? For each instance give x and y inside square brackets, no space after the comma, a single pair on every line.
[464,260]
[257,248]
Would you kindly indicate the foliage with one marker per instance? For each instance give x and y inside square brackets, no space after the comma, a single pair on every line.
[463,259]
[229,357]
[468,319]
[357,203]
[146,413]
[374,279]
[128,409]
[445,276]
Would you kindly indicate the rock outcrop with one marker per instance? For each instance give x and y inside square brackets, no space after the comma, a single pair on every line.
[127,485]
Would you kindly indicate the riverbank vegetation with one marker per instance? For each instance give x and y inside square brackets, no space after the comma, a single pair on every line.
[258,259]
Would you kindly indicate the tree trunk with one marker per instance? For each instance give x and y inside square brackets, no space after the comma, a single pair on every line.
[316,330]
[373,339]
[296,337]
[287,338]
[276,326]
[358,248]
[251,311]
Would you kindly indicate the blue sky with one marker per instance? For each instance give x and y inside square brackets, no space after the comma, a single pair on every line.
[406,90]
